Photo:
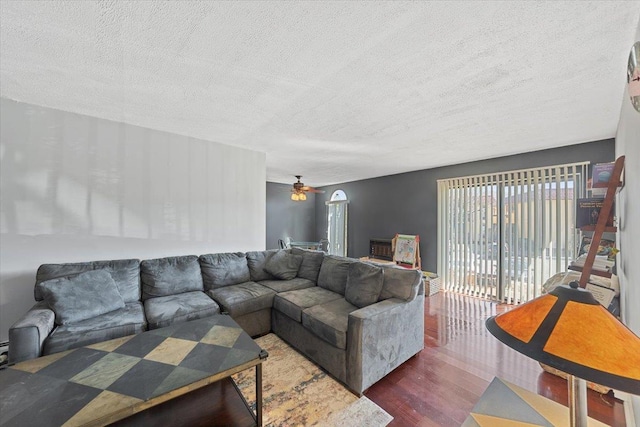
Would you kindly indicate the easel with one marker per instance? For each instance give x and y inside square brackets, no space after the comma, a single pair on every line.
[406,251]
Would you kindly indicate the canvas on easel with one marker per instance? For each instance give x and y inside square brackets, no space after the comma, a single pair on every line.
[407,251]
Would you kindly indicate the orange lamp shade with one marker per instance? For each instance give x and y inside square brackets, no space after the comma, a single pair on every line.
[569,330]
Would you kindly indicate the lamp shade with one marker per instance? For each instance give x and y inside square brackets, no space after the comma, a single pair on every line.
[569,330]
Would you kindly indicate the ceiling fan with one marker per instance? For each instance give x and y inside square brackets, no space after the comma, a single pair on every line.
[299,190]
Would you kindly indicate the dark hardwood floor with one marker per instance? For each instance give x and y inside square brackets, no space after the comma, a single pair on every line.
[440,385]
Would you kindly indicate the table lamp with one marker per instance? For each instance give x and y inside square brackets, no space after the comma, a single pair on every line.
[569,330]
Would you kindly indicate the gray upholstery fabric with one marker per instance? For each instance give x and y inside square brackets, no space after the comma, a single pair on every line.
[292,303]
[400,283]
[283,265]
[225,269]
[287,285]
[357,346]
[381,337]
[27,335]
[311,262]
[329,321]
[364,283]
[125,272]
[115,324]
[333,273]
[170,276]
[243,298]
[332,359]
[255,323]
[170,309]
[256,261]
[81,297]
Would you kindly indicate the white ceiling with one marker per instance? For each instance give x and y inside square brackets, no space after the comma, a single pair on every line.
[334,91]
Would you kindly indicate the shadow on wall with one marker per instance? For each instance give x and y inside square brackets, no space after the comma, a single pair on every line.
[66,173]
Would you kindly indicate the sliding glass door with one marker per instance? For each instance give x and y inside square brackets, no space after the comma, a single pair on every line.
[503,235]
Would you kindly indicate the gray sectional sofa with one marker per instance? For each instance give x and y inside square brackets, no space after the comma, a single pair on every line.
[357,320]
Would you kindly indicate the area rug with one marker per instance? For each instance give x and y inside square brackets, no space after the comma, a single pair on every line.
[298,393]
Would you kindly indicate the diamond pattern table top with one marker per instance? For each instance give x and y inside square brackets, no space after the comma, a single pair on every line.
[506,404]
[104,382]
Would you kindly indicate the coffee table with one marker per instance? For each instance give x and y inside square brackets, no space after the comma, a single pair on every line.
[106,382]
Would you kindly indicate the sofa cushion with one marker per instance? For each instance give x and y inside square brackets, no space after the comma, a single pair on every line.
[125,272]
[311,262]
[256,261]
[329,321]
[243,298]
[170,276]
[81,297]
[400,283]
[333,273]
[283,265]
[287,285]
[224,269]
[170,309]
[128,320]
[364,283]
[293,302]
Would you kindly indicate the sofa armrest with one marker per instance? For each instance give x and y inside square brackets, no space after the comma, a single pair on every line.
[382,336]
[27,335]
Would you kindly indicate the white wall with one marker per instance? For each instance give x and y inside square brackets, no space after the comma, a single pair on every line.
[628,211]
[78,188]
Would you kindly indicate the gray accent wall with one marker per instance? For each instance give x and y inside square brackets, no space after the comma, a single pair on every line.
[286,218]
[407,203]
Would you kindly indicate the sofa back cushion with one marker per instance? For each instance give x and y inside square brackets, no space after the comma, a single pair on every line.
[256,261]
[84,296]
[333,273]
[219,270]
[124,272]
[311,263]
[283,265]
[364,284]
[169,276]
[400,283]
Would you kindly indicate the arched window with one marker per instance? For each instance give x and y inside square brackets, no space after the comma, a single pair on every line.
[338,195]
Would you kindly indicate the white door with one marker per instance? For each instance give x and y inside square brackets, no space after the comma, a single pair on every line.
[337,223]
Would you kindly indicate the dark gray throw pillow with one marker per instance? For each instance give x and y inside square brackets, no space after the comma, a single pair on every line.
[82,297]
[283,265]
[311,262]
[364,284]
[333,273]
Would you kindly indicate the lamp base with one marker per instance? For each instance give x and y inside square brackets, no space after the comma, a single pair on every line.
[577,388]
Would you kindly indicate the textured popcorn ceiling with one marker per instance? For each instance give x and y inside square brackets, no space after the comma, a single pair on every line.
[334,91]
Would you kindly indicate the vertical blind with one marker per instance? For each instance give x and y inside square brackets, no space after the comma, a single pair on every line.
[502,235]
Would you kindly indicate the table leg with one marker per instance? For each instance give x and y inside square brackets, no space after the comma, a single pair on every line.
[259,394]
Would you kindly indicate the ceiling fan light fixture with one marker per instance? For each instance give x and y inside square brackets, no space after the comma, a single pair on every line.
[299,190]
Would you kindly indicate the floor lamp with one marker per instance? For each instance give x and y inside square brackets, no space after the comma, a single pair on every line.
[569,330]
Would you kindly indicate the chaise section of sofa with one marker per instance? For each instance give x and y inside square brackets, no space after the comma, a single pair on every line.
[360,322]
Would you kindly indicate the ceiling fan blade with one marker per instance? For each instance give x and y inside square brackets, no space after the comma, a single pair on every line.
[313,190]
